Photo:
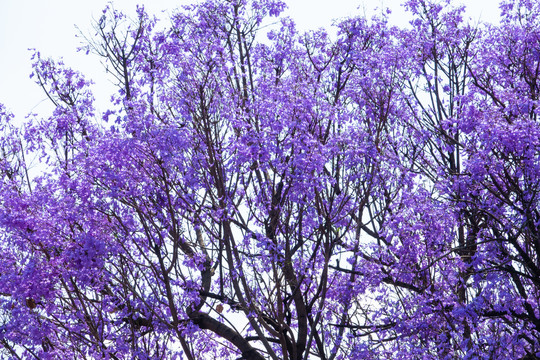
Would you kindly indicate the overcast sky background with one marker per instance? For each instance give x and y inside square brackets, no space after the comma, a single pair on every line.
[49,26]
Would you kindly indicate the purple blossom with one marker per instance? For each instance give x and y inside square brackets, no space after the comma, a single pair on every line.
[372,196]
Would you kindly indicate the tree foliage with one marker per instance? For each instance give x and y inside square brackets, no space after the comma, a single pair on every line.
[256,192]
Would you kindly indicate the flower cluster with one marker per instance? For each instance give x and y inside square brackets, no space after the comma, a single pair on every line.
[256,192]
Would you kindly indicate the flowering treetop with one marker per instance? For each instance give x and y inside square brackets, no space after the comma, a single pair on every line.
[272,194]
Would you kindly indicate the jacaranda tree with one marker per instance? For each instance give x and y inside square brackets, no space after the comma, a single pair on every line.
[255,192]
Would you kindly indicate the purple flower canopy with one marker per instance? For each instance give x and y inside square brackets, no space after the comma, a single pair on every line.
[255,192]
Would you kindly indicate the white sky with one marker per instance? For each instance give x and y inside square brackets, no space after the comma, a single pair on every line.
[49,26]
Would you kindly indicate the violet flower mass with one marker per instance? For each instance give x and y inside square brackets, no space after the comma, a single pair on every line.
[255,192]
